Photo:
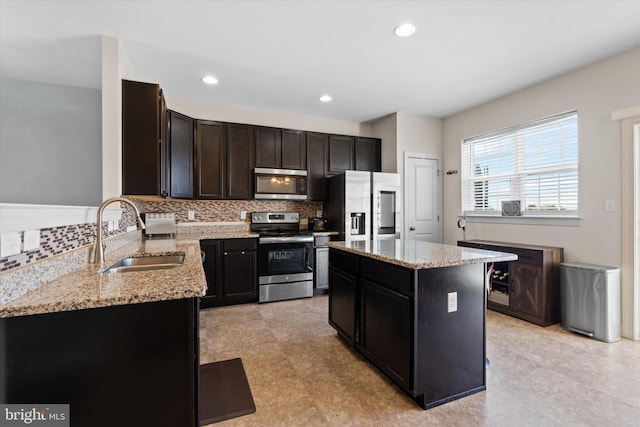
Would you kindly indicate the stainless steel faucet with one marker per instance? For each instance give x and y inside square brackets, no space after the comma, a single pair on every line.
[99,246]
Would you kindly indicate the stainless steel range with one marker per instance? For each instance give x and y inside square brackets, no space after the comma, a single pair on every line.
[284,256]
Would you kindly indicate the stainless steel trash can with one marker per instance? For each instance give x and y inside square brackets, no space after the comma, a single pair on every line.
[590,300]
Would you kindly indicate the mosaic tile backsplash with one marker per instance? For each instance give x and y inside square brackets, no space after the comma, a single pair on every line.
[58,240]
[224,210]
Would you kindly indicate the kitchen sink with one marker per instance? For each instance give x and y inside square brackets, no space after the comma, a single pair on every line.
[144,263]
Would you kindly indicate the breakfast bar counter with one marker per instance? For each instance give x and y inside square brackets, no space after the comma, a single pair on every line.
[416,310]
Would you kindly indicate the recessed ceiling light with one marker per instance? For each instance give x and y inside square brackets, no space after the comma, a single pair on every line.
[210,80]
[404,30]
[325,98]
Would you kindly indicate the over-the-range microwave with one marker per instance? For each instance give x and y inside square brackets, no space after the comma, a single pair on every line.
[280,184]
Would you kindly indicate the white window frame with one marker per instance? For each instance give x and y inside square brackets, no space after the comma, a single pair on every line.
[469,182]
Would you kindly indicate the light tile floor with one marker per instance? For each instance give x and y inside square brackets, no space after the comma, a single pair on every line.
[301,373]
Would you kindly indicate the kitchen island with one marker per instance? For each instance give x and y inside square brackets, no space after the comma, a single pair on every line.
[416,310]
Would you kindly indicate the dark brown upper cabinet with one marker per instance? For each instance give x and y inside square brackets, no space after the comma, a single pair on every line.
[268,147]
[294,149]
[317,165]
[280,148]
[341,153]
[210,168]
[367,154]
[143,121]
[181,155]
[165,170]
[240,161]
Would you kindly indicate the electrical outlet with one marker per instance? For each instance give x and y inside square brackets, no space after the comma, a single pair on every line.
[452,302]
[10,244]
[610,205]
[31,240]
[243,215]
[111,225]
[191,215]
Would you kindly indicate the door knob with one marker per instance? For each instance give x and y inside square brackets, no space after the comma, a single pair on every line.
[412,229]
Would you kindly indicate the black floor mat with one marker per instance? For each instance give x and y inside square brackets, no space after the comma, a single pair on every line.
[224,392]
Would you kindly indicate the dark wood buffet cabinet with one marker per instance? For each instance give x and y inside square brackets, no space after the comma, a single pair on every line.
[172,155]
[528,288]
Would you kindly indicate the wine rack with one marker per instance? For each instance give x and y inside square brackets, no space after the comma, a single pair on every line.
[500,283]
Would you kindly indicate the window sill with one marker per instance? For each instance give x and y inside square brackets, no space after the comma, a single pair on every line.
[566,221]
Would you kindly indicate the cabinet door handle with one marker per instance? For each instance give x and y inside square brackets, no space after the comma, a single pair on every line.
[242,252]
[226,253]
[412,229]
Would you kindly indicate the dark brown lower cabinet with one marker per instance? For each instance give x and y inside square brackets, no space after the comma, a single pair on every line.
[342,304]
[128,365]
[398,318]
[531,288]
[230,266]
[386,330]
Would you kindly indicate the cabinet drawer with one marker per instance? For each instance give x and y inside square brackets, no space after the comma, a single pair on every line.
[240,244]
[344,261]
[394,278]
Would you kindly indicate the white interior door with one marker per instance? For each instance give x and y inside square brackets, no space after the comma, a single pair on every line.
[422,197]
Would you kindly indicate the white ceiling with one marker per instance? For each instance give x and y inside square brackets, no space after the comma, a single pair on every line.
[281,55]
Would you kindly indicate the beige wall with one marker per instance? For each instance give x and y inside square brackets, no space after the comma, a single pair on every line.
[595,91]
[406,132]
[386,129]
[268,118]
[417,134]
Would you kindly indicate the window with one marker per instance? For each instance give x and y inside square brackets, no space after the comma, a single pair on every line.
[535,163]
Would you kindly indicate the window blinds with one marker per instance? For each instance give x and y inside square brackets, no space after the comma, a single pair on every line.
[535,163]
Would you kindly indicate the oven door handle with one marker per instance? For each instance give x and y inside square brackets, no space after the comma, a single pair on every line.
[286,239]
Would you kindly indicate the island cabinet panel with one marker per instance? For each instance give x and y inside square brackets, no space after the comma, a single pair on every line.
[343,294]
[386,331]
[134,365]
[450,345]
[402,321]
[210,155]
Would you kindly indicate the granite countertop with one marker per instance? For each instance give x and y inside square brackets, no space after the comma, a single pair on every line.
[85,288]
[417,254]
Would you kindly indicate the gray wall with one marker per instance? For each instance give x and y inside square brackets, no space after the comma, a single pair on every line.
[50,144]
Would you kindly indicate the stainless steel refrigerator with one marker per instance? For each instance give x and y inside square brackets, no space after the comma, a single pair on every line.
[386,205]
[348,209]
[365,205]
